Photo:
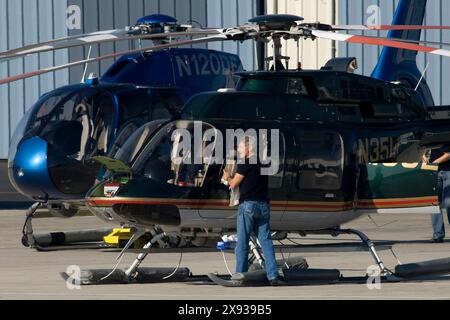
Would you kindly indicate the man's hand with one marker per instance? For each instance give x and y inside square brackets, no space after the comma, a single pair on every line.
[425,158]
[226,175]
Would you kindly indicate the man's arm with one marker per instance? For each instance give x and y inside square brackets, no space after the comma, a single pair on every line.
[235,181]
[444,158]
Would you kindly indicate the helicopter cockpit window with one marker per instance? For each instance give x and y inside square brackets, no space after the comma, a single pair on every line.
[263,107]
[134,104]
[171,159]
[326,86]
[275,85]
[43,109]
[137,140]
[321,161]
[296,86]
[76,124]
[163,104]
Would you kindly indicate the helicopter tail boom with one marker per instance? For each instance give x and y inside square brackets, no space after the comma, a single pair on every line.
[398,64]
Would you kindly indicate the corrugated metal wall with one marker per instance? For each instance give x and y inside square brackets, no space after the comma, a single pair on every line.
[25,22]
[312,54]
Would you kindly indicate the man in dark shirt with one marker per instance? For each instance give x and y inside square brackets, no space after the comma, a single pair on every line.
[254,210]
[441,157]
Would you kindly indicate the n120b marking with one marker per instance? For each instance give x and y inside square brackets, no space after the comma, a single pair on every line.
[205,65]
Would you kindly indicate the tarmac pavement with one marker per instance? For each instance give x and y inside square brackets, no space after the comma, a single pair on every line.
[28,274]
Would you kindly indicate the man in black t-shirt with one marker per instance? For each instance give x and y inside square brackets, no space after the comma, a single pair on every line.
[441,157]
[254,210]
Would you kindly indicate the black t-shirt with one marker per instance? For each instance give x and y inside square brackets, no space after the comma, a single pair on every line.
[437,153]
[254,187]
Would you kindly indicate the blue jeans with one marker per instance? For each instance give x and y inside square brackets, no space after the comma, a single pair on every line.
[443,189]
[254,217]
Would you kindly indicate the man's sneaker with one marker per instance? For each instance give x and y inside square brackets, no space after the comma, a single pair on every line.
[277,282]
[437,240]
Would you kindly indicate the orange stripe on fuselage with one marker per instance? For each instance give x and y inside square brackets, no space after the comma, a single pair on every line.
[276,205]
[407,202]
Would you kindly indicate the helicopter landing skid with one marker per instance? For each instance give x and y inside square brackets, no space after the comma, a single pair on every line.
[28,238]
[134,274]
[45,242]
[298,277]
[291,276]
[370,245]
[143,275]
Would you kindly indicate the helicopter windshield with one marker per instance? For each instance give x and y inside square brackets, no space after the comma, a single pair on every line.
[76,123]
[157,160]
[128,152]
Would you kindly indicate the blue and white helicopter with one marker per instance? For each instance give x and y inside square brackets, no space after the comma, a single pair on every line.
[50,158]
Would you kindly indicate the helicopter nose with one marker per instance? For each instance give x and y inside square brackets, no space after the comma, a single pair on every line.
[29,170]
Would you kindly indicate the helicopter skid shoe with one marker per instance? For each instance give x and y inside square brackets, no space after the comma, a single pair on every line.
[423,269]
[143,275]
[292,277]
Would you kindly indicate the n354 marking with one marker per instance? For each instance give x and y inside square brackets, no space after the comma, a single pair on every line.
[378,149]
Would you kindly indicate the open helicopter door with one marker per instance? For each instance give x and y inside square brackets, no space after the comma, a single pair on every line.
[317,180]
[224,202]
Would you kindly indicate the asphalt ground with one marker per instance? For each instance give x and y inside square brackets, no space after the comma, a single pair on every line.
[27,274]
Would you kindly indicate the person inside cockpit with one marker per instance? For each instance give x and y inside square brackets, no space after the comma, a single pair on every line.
[82,115]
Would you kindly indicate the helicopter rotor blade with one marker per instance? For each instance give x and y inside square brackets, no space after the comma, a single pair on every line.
[219,37]
[48,45]
[387,27]
[379,42]
[437,43]
[96,38]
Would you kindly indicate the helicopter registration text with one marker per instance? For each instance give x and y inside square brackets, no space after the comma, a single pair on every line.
[378,149]
[202,64]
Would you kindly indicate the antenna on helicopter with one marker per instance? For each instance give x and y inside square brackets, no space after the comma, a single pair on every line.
[83,79]
[422,76]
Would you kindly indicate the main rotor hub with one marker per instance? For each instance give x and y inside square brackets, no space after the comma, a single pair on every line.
[279,22]
[157,23]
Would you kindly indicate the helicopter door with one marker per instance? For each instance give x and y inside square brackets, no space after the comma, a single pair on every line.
[317,174]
